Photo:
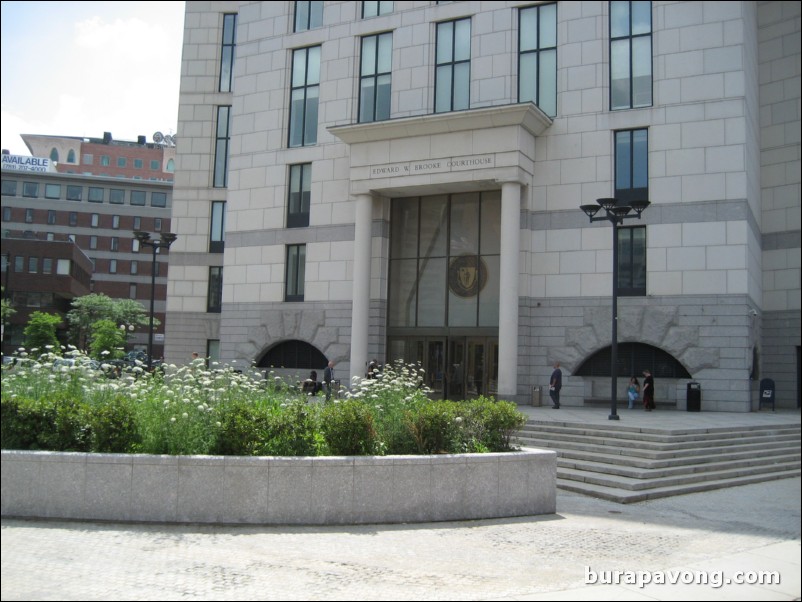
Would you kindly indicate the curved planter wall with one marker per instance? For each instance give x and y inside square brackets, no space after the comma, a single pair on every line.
[273,490]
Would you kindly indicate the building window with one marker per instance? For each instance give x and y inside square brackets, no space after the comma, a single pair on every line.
[54,154]
[115,222]
[304,96]
[137,223]
[71,156]
[88,159]
[374,9]
[75,193]
[114,243]
[132,291]
[47,265]
[632,166]
[138,164]
[93,243]
[105,161]
[9,188]
[227,53]
[135,246]
[112,266]
[134,267]
[33,265]
[299,195]
[157,224]
[375,77]
[213,351]
[51,236]
[19,264]
[631,261]
[138,197]
[52,191]
[51,217]
[217,233]
[6,214]
[630,54]
[158,199]
[29,216]
[63,267]
[170,166]
[295,273]
[214,300]
[116,196]
[453,66]
[120,161]
[96,194]
[95,220]
[30,189]
[221,147]
[308,15]
[154,165]
[537,57]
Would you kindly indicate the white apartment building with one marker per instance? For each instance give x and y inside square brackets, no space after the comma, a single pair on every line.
[403,180]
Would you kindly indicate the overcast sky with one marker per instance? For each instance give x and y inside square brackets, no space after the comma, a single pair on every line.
[84,68]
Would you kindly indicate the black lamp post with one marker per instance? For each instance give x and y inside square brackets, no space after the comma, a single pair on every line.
[164,242]
[615,213]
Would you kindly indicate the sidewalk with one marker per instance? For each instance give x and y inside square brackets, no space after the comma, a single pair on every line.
[713,534]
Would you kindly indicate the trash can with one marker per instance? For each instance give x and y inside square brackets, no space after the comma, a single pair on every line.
[766,393]
[694,397]
[536,397]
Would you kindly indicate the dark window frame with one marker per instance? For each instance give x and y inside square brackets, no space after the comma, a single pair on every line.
[378,111]
[630,38]
[299,197]
[295,273]
[304,132]
[540,51]
[228,46]
[452,64]
[217,227]
[214,295]
[307,15]
[222,141]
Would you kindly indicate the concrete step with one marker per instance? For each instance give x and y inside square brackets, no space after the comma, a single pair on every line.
[658,431]
[622,496]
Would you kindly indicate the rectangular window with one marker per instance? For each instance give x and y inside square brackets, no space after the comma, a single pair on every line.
[88,159]
[154,165]
[52,191]
[105,161]
[135,246]
[138,197]
[63,267]
[47,265]
[120,161]
[19,264]
[631,261]
[33,265]
[221,147]
[157,224]
[134,267]
[112,266]
[95,220]
[630,54]
[137,223]
[214,299]
[93,242]
[116,196]
[114,243]
[96,194]
[453,66]
[6,214]
[138,164]
[51,236]
[132,291]
[295,274]
[30,189]
[75,193]
[374,9]
[9,188]
[304,96]
[227,53]
[213,351]
[375,77]
[29,216]
[299,195]
[308,15]
[217,233]
[51,217]
[73,219]
[158,199]
[537,57]
[632,166]
[115,222]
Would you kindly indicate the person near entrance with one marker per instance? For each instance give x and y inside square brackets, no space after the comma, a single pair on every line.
[555,385]
[648,391]
[328,377]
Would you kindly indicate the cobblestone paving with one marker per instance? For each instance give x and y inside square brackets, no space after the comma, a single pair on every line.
[521,558]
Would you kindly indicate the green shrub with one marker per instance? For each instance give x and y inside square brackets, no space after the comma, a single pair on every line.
[294,431]
[433,426]
[113,426]
[243,426]
[349,429]
[489,425]
[52,423]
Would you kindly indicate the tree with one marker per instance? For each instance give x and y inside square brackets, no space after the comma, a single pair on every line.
[7,309]
[41,332]
[92,308]
[107,340]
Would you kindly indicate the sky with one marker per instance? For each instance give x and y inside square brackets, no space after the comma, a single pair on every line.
[84,68]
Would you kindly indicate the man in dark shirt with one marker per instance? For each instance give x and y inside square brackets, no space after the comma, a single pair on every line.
[555,385]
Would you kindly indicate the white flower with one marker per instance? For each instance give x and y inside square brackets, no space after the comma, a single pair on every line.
[185,415]
[172,419]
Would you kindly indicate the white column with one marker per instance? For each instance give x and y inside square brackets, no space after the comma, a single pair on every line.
[509,279]
[361,295]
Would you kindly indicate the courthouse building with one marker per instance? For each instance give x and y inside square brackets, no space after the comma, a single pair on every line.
[403,180]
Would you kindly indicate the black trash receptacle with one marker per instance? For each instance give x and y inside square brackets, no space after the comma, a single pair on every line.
[767,392]
[694,397]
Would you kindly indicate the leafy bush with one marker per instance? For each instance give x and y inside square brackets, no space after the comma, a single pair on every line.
[349,428]
[433,426]
[51,423]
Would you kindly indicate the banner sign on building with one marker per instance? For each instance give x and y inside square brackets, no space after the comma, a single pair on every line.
[23,163]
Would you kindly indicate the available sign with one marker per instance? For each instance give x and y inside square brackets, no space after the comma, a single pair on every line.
[23,163]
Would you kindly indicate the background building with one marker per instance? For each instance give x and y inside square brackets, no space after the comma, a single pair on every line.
[97,208]
[402,180]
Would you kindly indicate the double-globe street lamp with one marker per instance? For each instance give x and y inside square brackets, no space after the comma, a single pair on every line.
[615,212]
[167,238]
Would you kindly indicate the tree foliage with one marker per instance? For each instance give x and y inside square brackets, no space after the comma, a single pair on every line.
[89,309]
[40,333]
[7,309]
[107,341]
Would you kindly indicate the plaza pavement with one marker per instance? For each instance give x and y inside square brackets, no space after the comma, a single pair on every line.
[726,534]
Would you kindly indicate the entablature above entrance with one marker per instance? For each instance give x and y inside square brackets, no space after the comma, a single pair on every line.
[444,152]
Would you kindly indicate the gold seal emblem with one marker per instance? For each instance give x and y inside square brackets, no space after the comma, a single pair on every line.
[467,275]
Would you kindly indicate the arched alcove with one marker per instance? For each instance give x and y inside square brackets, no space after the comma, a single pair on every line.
[293,354]
[633,359]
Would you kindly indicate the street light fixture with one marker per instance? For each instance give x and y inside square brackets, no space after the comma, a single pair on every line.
[614,212]
[164,242]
